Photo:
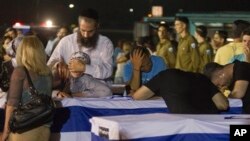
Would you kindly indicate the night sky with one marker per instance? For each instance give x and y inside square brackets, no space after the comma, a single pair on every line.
[114,14]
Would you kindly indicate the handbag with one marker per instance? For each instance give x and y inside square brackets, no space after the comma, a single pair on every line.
[35,112]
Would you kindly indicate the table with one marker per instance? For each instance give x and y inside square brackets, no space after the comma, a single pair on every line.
[165,127]
[72,116]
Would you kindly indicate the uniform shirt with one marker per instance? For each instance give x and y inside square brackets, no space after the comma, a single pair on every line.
[100,57]
[206,54]
[227,53]
[184,92]
[167,52]
[89,86]
[187,55]
[158,66]
[241,72]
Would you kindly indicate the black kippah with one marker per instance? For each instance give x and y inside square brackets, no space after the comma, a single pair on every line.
[90,13]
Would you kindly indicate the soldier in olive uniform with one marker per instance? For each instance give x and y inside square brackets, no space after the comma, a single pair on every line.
[164,48]
[188,58]
[205,49]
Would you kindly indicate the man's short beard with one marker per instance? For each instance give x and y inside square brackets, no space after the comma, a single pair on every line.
[87,42]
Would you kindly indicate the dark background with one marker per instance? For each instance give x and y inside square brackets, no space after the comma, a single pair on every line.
[114,14]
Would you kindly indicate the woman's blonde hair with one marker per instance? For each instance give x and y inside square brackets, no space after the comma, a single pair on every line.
[31,54]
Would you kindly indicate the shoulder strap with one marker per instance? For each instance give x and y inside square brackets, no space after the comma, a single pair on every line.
[31,86]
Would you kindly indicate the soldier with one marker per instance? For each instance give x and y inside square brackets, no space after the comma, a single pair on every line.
[187,54]
[205,49]
[164,48]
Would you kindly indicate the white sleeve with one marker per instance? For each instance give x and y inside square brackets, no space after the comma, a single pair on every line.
[104,68]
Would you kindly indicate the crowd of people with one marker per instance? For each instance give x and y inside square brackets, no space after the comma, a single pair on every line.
[191,74]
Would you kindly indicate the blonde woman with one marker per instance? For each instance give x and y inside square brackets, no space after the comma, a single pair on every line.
[30,54]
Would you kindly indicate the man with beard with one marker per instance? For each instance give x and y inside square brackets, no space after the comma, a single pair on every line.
[98,48]
[188,58]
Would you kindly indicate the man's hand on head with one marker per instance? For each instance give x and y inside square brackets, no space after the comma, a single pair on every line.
[137,59]
[76,65]
[62,70]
